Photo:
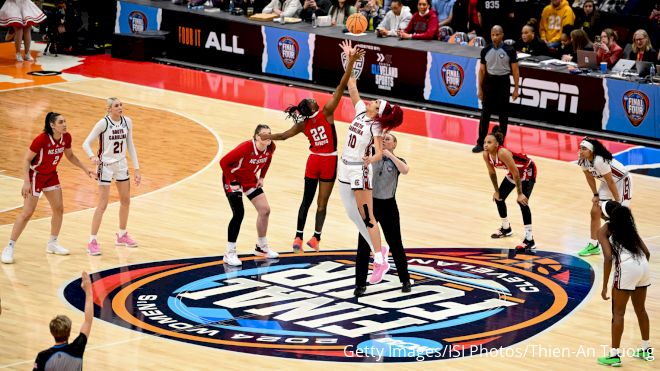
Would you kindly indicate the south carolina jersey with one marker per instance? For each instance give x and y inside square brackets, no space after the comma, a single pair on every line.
[245,163]
[114,138]
[321,134]
[360,135]
[525,165]
[600,167]
[49,152]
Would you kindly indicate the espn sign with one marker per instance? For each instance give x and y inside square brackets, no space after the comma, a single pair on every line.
[541,94]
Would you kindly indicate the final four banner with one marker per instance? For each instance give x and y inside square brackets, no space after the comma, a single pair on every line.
[133,18]
[452,80]
[288,53]
[632,108]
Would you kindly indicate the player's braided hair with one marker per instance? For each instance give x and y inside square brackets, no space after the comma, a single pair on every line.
[300,112]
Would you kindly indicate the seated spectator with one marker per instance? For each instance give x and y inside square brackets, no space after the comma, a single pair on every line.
[554,18]
[588,18]
[370,10]
[565,49]
[340,11]
[318,7]
[423,24]
[641,48]
[64,355]
[290,8]
[395,20]
[445,11]
[529,43]
[579,41]
[607,50]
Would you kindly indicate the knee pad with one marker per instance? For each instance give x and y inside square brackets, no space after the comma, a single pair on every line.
[367,220]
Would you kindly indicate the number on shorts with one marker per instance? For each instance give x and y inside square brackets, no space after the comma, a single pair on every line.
[318,134]
[56,160]
[626,189]
[352,140]
[119,147]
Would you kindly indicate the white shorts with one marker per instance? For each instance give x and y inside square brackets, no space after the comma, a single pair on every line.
[632,273]
[623,186]
[355,174]
[116,170]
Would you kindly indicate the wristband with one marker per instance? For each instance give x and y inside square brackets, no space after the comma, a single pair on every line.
[595,194]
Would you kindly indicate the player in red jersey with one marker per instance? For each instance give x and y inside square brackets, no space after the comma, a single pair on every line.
[40,175]
[243,171]
[521,176]
[321,168]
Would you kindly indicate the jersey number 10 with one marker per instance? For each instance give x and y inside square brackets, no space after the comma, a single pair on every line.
[352,140]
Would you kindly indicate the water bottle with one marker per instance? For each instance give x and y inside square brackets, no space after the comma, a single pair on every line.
[282,19]
[314,24]
[652,72]
[231,6]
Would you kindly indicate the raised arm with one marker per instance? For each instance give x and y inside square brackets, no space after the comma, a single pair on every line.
[89,304]
[353,91]
[353,54]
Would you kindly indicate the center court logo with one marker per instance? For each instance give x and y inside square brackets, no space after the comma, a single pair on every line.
[302,306]
[636,106]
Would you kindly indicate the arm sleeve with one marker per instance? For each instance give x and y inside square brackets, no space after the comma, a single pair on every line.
[96,131]
[130,146]
[77,347]
[232,157]
[386,23]
[513,56]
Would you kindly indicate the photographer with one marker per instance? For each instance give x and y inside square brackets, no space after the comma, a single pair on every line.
[318,7]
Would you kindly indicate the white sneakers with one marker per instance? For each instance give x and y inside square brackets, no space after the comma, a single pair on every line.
[266,252]
[8,255]
[55,248]
[231,258]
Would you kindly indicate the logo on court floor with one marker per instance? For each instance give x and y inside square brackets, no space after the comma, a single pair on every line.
[636,106]
[463,302]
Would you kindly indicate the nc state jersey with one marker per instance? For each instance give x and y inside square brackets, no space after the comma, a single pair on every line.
[245,163]
[321,134]
[525,165]
[360,135]
[49,152]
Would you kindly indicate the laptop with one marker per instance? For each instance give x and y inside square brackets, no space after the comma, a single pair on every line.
[643,68]
[587,59]
[623,65]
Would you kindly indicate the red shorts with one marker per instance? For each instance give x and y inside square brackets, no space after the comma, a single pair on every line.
[323,168]
[43,182]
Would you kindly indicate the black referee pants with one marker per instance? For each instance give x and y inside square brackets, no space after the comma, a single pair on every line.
[386,213]
[496,95]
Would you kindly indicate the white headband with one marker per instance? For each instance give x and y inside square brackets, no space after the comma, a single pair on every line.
[587,145]
[381,108]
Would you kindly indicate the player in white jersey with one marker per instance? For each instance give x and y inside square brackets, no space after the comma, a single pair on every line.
[597,163]
[114,134]
[354,173]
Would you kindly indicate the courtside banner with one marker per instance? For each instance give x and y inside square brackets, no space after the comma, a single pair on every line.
[631,108]
[213,41]
[451,80]
[133,18]
[288,53]
[384,70]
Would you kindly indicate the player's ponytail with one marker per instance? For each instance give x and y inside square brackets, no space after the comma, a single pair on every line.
[497,134]
[300,112]
[624,232]
[599,149]
[391,117]
[50,118]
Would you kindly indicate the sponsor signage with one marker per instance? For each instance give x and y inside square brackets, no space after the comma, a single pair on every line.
[632,108]
[288,53]
[135,18]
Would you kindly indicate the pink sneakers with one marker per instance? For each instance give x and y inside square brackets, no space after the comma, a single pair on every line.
[297,245]
[314,243]
[380,269]
[125,240]
[93,248]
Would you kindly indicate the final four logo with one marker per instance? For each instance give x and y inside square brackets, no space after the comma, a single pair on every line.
[137,21]
[288,48]
[463,302]
[452,77]
[636,106]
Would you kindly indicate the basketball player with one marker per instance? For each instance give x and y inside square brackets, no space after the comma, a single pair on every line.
[114,133]
[616,185]
[622,244]
[321,165]
[243,171]
[521,176]
[354,174]
[40,175]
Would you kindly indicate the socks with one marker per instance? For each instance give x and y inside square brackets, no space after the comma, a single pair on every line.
[614,352]
[646,344]
[231,247]
[121,232]
[11,243]
[262,241]
[594,242]
[378,258]
[317,235]
[92,237]
[53,238]
[505,223]
[299,234]
[528,232]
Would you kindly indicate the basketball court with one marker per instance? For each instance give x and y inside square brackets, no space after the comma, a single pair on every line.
[172,304]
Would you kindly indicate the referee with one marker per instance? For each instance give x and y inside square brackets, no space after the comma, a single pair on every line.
[385,179]
[498,62]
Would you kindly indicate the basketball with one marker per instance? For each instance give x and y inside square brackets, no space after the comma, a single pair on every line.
[356,23]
